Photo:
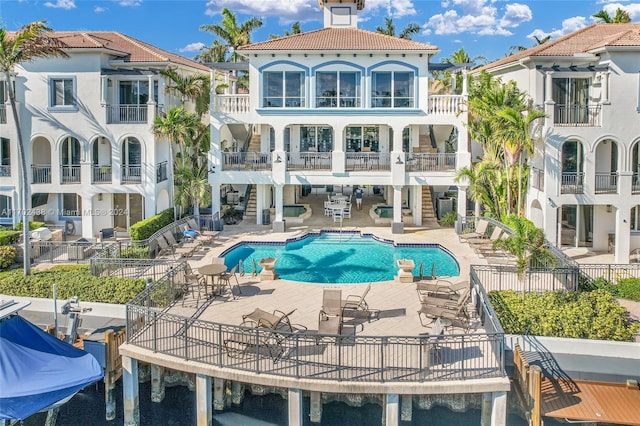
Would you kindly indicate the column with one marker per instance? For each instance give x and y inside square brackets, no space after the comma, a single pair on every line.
[87,219]
[260,203]
[218,394]
[315,412]
[104,80]
[406,408]
[605,88]
[397,227]
[151,105]
[157,383]
[203,400]
[295,407]
[454,83]
[465,83]
[390,410]
[462,201]
[623,235]
[548,99]
[499,409]
[338,156]
[278,222]
[487,401]
[130,391]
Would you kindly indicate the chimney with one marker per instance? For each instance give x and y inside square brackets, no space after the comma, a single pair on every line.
[341,13]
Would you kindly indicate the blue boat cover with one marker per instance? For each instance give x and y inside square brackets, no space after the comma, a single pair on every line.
[38,370]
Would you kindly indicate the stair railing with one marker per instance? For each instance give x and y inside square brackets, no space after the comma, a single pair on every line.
[247,141]
[245,201]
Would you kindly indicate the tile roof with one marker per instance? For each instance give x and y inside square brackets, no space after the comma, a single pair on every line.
[584,40]
[338,39]
[132,50]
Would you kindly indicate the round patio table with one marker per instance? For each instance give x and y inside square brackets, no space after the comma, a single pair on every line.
[213,270]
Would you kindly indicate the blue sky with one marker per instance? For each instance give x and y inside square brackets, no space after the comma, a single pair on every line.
[485,28]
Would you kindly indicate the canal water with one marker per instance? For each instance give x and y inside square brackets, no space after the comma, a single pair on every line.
[179,406]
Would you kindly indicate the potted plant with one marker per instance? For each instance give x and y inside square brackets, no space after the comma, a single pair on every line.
[229,215]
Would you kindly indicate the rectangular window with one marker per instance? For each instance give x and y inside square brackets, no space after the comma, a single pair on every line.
[62,92]
[283,89]
[571,97]
[5,206]
[5,155]
[134,92]
[363,139]
[392,89]
[71,204]
[338,89]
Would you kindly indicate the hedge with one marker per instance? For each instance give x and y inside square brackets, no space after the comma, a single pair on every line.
[627,288]
[71,280]
[32,225]
[589,315]
[146,228]
[7,256]
[9,237]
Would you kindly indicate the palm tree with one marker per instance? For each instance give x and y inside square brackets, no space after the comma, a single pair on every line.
[621,16]
[460,56]
[295,29]
[232,34]
[189,87]
[217,52]
[29,43]
[390,29]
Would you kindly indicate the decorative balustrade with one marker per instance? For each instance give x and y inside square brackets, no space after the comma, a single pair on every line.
[309,161]
[536,178]
[231,104]
[41,174]
[131,174]
[572,183]
[161,172]
[246,161]
[426,162]
[70,174]
[127,113]
[606,183]
[101,174]
[365,161]
[577,115]
[446,104]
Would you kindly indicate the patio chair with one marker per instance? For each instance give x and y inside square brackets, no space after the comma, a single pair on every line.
[486,242]
[328,211]
[206,237]
[441,288]
[457,312]
[172,241]
[454,302]
[225,279]
[357,303]
[330,316]
[346,212]
[193,284]
[337,215]
[433,340]
[245,341]
[165,247]
[480,231]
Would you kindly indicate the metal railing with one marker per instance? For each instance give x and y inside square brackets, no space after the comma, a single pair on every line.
[635,184]
[70,174]
[131,174]
[127,113]
[506,277]
[572,183]
[577,115]
[309,161]
[161,172]
[248,161]
[307,355]
[364,161]
[231,104]
[67,251]
[101,174]
[3,114]
[426,162]
[446,104]
[610,272]
[130,268]
[536,178]
[41,174]
[606,183]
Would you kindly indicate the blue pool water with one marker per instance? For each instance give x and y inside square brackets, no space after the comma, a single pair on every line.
[293,211]
[384,212]
[341,258]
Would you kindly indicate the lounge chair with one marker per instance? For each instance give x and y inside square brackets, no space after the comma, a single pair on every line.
[456,312]
[357,303]
[205,236]
[441,288]
[165,248]
[172,241]
[486,242]
[480,231]
[277,321]
[330,316]
[452,303]
[246,341]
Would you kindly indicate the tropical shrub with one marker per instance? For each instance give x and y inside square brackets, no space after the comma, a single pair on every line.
[135,252]
[629,288]
[449,219]
[32,225]
[145,228]
[592,315]
[7,256]
[71,280]
[9,237]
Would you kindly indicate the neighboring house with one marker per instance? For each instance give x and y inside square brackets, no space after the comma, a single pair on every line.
[93,161]
[338,107]
[584,187]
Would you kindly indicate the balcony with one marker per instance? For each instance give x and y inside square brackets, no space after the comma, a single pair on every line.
[246,161]
[41,173]
[126,114]
[421,162]
[577,115]
[309,161]
[606,183]
[3,114]
[70,174]
[572,183]
[446,104]
[131,174]
[635,184]
[231,104]
[161,172]
[101,174]
[366,161]
[536,178]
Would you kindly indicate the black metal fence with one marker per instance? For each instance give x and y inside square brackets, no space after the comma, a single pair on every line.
[504,277]
[131,268]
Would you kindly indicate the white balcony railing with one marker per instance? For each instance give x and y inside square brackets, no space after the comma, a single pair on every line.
[70,173]
[127,113]
[101,174]
[577,115]
[572,183]
[424,162]
[41,173]
[606,183]
[131,174]
[246,161]
[360,161]
[309,161]
[231,104]
[445,104]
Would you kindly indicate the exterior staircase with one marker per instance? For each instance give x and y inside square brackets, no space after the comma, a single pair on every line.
[428,212]
[254,143]
[424,146]
[250,212]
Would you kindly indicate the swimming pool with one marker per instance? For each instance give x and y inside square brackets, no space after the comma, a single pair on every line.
[293,211]
[384,212]
[341,258]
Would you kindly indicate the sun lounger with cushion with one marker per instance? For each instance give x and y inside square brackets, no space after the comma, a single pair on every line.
[480,232]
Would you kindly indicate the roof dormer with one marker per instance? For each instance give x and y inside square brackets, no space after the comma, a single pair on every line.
[341,13]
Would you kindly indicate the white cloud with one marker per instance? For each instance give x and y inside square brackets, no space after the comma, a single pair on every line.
[61,4]
[633,9]
[192,47]
[287,10]
[569,25]
[99,9]
[393,9]
[477,17]
[130,3]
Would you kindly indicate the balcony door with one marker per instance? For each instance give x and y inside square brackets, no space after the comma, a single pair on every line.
[131,160]
[128,210]
[572,168]
[571,97]
[70,160]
